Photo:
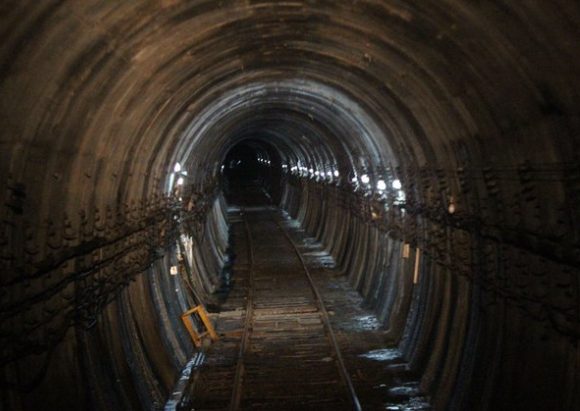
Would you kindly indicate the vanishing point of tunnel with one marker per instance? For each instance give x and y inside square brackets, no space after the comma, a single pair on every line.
[289,205]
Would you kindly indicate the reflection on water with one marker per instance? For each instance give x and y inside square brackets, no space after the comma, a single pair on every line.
[384,354]
[412,404]
[367,322]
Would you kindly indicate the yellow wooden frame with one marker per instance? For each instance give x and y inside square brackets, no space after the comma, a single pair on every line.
[196,336]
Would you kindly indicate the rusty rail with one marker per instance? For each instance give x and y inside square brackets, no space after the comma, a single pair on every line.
[239,375]
[326,319]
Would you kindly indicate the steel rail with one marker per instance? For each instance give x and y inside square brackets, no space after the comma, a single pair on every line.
[326,319]
[240,368]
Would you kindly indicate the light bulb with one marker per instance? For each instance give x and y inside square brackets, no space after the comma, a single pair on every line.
[381,185]
[397,184]
[451,208]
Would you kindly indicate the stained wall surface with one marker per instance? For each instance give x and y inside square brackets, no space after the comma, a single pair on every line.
[442,131]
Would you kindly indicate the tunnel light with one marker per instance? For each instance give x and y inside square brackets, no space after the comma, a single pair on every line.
[397,184]
[381,185]
[401,197]
[329,174]
[336,173]
[452,207]
[311,171]
[180,181]
[353,179]
[177,167]
[365,179]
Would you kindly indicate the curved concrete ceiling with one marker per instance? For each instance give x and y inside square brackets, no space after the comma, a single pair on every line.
[98,90]
[474,103]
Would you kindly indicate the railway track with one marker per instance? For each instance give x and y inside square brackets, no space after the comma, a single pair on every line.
[326,319]
[248,323]
[278,348]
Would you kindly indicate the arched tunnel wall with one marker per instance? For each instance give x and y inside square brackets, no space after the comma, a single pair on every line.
[472,263]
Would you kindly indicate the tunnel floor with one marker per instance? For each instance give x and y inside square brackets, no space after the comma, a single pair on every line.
[276,351]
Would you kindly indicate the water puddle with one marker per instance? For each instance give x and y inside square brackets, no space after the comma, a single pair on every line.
[317,254]
[407,390]
[383,354]
[367,322]
[413,404]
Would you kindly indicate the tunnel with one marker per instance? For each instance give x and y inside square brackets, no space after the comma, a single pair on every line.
[289,205]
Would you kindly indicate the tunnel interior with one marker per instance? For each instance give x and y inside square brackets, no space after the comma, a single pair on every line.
[153,154]
[252,166]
